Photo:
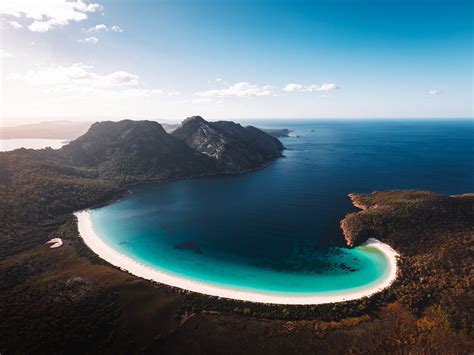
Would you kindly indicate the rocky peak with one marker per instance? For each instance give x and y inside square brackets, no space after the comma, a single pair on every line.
[194,120]
[235,148]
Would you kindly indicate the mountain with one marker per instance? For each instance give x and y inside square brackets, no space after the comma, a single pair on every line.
[135,148]
[234,147]
[143,150]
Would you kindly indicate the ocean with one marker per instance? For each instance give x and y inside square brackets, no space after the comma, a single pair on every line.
[276,230]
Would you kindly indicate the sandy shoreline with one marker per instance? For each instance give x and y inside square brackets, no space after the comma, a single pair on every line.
[95,243]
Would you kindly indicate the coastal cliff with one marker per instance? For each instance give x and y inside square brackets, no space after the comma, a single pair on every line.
[397,215]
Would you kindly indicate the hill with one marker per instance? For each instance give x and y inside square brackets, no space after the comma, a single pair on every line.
[135,150]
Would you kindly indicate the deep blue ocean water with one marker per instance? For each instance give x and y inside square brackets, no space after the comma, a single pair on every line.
[277,229]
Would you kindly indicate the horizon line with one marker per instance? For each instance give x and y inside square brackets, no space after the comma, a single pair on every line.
[74,119]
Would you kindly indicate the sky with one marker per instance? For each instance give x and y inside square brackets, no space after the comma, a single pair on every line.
[115,59]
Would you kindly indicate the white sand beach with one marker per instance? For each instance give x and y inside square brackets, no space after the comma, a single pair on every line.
[55,242]
[98,246]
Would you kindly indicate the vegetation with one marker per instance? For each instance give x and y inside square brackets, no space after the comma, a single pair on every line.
[434,234]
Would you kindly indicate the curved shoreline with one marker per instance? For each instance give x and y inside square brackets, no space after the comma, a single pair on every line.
[99,247]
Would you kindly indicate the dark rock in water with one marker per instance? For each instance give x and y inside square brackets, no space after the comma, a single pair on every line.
[233,147]
[191,245]
[311,130]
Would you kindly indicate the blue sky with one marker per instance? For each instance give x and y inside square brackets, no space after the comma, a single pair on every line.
[236,59]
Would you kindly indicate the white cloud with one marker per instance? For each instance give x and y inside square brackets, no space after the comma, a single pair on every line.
[14,24]
[103,27]
[202,100]
[90,40]
[10,24]
[79,80]
[434,92]
[328,87]
[5,54]
[142,92]
[44,26]
[310,88]
[122,78]
[48,14]
[75,75]
[97,28]
[239,90]
[293,88]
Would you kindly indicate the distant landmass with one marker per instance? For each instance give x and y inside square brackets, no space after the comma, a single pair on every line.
[64,129]
[169,127]
[70,130]
[67,130]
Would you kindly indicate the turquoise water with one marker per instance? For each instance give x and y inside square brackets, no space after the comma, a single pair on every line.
[276,230]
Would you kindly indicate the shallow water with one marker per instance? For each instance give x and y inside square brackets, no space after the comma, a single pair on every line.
[277,230]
